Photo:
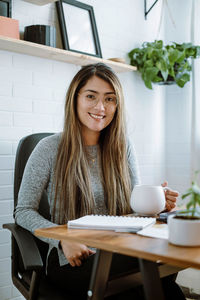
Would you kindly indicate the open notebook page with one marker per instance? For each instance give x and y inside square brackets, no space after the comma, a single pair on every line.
[118,223]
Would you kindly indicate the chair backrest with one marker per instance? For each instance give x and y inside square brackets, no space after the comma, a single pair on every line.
[25,147]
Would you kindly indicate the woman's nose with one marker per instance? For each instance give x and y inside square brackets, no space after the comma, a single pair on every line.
[100,104]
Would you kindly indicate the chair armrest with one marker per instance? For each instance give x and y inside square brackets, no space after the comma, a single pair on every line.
[27,245]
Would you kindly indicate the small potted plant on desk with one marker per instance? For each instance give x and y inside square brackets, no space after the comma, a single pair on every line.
[164,64]
[184,227]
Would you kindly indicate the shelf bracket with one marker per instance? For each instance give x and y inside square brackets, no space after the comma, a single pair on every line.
[145,8]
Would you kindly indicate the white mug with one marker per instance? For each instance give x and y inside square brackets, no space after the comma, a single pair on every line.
[148,200]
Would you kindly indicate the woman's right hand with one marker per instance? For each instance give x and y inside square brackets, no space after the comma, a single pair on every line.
[75,252]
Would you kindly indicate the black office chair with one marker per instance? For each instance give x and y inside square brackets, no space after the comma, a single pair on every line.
[29,253]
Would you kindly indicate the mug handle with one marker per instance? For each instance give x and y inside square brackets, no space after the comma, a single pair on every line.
[165,188]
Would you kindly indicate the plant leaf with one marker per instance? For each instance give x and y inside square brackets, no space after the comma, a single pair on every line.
[181,81]
[157,79]
[148,63]
[173,56]
[148,84]
[189,204]
[195,189]
[181,57]
[132,52]
[186,195]
[151,72]
[165,74]
[148,76]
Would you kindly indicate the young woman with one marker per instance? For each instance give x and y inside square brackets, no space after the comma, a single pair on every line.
[88,168]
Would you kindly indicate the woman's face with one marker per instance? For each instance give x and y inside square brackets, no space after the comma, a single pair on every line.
[96,106]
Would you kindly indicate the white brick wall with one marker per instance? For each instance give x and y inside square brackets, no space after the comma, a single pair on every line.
[178,105]
[32,93]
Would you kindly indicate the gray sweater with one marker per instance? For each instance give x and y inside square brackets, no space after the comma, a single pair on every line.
[38,176]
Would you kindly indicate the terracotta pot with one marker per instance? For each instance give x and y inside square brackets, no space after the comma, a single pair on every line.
[9,27]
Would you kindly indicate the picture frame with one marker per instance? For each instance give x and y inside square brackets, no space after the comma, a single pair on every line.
[6,8]
[78,27]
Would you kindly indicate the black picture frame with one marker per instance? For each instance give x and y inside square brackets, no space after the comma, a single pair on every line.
[6,8]
[75,36]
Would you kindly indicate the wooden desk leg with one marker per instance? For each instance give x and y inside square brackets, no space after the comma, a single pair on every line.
[99,276]
[151,280]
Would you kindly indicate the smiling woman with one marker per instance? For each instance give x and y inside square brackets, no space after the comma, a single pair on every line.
[90,168]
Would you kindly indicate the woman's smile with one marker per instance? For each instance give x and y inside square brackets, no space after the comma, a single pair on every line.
[96,117]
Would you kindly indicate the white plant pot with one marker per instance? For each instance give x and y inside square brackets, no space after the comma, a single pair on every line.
[183,232]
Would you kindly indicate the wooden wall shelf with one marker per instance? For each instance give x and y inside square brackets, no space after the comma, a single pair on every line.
[40,2]
[34,49]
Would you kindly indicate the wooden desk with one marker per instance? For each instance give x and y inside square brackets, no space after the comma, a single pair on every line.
[148,250]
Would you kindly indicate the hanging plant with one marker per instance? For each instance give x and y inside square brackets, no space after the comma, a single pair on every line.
[164,64]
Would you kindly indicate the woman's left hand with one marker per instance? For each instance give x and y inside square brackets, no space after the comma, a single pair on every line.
[170,197]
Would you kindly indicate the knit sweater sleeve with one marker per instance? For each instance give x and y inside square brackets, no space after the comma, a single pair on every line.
[35,180]
[133,165]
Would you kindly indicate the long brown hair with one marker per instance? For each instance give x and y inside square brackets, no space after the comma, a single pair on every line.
[73,194]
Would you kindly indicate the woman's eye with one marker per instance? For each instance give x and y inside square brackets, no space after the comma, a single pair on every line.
[110,99]
[91,97]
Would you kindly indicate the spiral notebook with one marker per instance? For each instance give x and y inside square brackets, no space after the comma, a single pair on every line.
[117,223]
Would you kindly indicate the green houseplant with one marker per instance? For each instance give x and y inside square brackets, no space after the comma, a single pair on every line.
[164,64]
[184,227]
[193,205]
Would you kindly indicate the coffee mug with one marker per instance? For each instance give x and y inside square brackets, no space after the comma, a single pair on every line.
[148,200]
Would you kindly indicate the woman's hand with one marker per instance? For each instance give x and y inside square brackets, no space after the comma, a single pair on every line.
[75,252]
[170,197]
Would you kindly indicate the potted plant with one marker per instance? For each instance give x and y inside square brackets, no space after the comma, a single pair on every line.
[184,226]
[164,64]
